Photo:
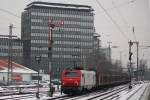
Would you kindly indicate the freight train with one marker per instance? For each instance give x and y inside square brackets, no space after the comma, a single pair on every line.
[77,80]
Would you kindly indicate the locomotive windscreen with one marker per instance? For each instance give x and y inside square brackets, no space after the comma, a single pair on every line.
[72,74]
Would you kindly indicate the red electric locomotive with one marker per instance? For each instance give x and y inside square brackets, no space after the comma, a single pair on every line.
[75,81]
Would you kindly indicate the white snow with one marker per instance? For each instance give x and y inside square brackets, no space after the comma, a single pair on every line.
[135,93]
[1,89]
[20,70]
[130,94]
[45,97]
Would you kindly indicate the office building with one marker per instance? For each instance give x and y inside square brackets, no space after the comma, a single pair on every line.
[72,34]
[16,49]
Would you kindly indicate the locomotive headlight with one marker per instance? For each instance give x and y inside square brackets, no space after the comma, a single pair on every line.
[63,83]
[76,83]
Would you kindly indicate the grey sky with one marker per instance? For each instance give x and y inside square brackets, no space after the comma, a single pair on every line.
[126,13]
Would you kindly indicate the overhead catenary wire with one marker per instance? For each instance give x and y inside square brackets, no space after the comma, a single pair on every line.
[8,12]
[120,14]
[114,22]
[121,5]
[123,19]
[118,11]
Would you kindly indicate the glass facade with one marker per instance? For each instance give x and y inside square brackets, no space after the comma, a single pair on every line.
[70,40]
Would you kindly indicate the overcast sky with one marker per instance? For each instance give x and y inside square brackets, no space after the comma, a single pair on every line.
[125,13]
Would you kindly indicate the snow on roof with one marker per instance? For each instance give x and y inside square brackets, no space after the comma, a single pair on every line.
[59,5]
[17,68]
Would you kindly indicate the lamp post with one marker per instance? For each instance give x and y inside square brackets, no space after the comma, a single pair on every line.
[38,59]
[109,51]
[10,69]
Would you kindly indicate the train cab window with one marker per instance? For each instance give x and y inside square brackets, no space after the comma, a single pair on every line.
[82,75]
[72,74]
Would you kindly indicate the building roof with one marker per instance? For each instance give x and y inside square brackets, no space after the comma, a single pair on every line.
[17,68]
[59,5]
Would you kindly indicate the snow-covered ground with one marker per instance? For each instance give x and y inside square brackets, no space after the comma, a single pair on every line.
[139,91]
[136,93]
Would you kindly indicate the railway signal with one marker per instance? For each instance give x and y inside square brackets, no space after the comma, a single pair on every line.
[130,55]
[51,26]
[130,58]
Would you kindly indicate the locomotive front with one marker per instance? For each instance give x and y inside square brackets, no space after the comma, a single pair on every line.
[70,81]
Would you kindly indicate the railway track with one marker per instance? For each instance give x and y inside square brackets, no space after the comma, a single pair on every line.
[23,96]
[17,92]
[138,93]
[16,95]
[110,93]
[107,95]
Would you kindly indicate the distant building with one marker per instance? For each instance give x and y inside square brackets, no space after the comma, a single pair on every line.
[105,52]
[97,43]
[17,49]
[19,72]
[70,40]
[146,74]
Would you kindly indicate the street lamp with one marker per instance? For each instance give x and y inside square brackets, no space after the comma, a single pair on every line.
[38,59]
[109,51]
[109,48]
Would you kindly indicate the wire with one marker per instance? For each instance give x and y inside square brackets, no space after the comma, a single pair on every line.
[123,19]
[114,22]
[121,5]
[8,12]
